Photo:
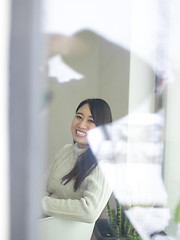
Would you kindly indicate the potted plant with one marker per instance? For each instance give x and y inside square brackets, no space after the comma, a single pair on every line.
[116,227]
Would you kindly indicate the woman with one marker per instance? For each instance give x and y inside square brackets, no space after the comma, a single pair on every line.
[77,188]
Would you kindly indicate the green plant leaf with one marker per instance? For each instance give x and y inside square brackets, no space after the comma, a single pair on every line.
[177,213]
[119,223]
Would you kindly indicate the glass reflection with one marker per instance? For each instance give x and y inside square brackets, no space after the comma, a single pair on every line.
[130,153]
[91,49]
[61,71]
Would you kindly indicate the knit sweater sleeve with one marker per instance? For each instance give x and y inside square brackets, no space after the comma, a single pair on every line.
[86,209]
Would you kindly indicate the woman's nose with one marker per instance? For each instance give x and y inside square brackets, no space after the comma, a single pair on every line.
[83,124]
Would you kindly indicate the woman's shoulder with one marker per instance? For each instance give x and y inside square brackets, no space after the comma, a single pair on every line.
[65,149]
[68,146]
[63,153]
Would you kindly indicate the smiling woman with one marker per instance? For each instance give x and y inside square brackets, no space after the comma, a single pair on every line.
[77,190]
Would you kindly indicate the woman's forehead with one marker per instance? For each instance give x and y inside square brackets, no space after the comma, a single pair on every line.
[84,110]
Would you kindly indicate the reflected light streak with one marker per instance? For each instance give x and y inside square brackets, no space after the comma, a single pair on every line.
[136,183]
[130,152]
[71,16]
[63,72]
[148,28]
[149,221]
[135,138]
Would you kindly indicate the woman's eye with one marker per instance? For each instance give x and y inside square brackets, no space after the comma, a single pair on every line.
[91,121]
[78,116]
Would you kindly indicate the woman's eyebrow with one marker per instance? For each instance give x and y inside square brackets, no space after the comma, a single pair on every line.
[79,113]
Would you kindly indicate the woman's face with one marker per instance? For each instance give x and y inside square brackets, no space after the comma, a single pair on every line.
[82,122]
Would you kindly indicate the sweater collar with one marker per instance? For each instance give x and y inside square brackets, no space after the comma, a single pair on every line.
[78,150]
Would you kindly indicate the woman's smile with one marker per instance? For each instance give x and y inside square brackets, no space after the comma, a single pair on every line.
[81,133]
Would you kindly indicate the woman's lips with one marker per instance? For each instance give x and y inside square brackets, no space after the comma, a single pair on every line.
[80,133]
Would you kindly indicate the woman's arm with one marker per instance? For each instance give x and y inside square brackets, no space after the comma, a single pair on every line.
[86,209]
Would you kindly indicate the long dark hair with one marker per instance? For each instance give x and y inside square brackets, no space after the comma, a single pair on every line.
[87,162]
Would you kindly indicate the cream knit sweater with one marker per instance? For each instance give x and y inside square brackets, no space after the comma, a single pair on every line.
[87,202]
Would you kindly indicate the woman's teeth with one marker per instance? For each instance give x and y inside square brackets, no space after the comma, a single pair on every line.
[83,134]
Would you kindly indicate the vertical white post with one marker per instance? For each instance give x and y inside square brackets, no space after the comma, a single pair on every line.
[26,102]
[142,77]
[4,169]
